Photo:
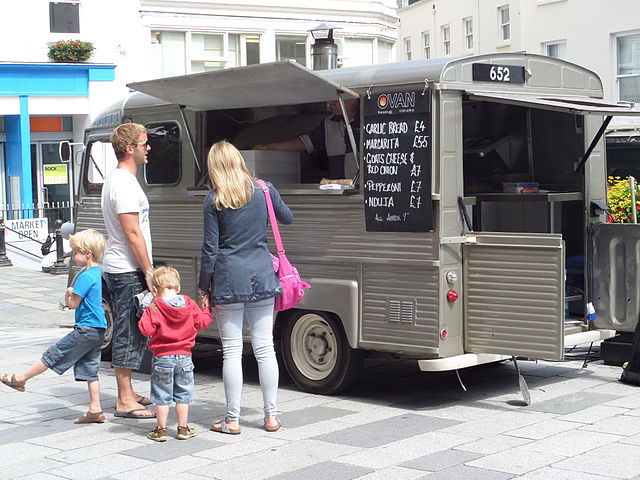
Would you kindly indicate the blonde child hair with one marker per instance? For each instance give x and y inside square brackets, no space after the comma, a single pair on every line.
[166,277]
[229,175]
[89,240]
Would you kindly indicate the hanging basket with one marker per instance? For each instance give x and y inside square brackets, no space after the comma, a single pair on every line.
[70,51]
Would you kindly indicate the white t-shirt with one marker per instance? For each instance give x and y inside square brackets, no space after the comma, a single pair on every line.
[121,193]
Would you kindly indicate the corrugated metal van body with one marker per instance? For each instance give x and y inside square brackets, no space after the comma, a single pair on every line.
[396,272]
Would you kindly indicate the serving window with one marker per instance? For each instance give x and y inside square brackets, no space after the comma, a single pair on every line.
[165,155]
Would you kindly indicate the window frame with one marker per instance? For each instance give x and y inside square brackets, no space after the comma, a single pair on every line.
[546,45]
[150,125]
[426,46]
[619,76]
[406,46]
[467,28]
[52,7]
[502,40]
[93,188]
[445,32]
[307,56]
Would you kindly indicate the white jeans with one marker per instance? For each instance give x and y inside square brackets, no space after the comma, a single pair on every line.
[260,317]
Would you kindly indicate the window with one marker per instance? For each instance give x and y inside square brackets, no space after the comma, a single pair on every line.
[177,53]
[426,44]
[446,40]
[555,49]
[100,160]
[292,48]
[165,154]
[628,68]
[64,17]
[407,48]
[468,33]
[358,51]
[504,24]
[385,52]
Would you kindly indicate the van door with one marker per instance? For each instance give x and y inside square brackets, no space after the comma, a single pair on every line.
[514,294]
[613,274]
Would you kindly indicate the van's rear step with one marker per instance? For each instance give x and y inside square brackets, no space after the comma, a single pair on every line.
[471,359]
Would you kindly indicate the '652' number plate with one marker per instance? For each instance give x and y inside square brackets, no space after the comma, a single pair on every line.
[487,72]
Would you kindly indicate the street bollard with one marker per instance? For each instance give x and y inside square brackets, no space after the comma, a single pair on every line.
[59,267]
[4,260]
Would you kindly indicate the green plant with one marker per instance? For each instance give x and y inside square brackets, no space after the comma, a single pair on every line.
[619,200]
[70,51]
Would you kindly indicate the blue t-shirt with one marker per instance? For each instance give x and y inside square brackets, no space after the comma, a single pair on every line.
[88,285]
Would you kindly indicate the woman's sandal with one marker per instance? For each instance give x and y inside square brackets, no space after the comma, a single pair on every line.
[13,383]
[223,427]
[90,417]
[272,428]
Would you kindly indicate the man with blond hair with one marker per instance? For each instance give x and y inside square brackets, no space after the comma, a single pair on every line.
[127,261]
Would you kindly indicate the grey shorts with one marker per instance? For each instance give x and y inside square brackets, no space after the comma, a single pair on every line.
[128,343]
[79,349]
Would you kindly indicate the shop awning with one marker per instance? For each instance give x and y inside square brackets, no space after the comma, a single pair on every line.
[267,84]
[568,104]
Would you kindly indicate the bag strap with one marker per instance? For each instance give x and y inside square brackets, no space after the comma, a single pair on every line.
[272,217]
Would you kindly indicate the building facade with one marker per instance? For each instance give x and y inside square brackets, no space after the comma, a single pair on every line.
[598,35]
[43,102]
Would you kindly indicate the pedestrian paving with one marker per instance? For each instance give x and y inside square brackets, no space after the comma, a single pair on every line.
[396,424]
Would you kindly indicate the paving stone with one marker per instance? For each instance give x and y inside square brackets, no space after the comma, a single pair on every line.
[571,403]
[378,433]
[517,461]
[468,473]
[173,469]
[404,450]
[574,442]
[497,443]
[172,448]
[627,425]
[550,473]
[395,473]
[441,460]
[94,451]
[238,449]
[613,460]
[332,470]
[543,429]
[307,416]
[30,469]
[109,465]
[34,431]
[17,452]
[594,414]
[499,423]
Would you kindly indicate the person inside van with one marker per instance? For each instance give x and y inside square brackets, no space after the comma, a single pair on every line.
[330,135]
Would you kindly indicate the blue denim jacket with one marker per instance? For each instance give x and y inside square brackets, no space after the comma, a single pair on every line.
[235,263]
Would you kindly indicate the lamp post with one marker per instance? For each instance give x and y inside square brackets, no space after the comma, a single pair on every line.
[324,50]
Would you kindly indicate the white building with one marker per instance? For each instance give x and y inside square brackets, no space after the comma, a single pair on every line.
[602,36]
[42,102]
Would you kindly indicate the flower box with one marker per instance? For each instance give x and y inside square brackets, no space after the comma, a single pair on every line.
[70,51]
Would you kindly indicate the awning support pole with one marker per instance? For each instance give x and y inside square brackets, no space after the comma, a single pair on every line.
[595,141]
[186,126]
[352,139]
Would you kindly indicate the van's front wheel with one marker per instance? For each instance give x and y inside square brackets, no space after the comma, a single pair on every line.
[316,353]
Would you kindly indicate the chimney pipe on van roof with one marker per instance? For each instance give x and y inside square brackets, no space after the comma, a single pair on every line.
[324,50]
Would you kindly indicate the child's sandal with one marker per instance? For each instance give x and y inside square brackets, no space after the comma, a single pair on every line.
[90,417]
[12,382]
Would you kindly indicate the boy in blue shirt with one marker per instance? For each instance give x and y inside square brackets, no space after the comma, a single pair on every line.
[79,349]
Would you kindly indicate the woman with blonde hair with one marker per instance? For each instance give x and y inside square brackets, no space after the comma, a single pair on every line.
[237,276]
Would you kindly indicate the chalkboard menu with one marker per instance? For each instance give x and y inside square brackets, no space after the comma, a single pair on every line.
[397,162]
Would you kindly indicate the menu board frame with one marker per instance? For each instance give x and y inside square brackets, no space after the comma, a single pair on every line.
[397,131]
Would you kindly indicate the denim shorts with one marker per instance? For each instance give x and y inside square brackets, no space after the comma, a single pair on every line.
[172,379]
[128,343]
[79,349]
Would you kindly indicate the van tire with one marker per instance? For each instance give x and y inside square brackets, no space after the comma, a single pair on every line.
[105,348]
[316,353]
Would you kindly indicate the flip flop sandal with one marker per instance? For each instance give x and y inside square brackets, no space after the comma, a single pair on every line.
[132,414]
[144,401]
[222,427]
[272,428]
[13,383]
[90,417]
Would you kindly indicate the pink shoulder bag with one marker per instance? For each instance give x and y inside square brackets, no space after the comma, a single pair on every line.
[292,285]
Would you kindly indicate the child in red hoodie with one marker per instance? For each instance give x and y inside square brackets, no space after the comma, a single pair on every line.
[172,322]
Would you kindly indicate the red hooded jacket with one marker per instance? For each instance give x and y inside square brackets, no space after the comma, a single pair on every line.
[173,330]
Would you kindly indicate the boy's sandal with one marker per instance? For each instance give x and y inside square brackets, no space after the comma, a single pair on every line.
[12,382]
[223,427]
[90,417]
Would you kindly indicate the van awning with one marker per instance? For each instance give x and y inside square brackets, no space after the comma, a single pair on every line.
[575,105]
[266,84]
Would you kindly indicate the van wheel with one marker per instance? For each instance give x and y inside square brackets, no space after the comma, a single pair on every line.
[105,348]
[316,353]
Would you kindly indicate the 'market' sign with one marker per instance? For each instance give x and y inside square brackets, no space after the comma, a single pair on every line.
[397,162]
[20,230]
